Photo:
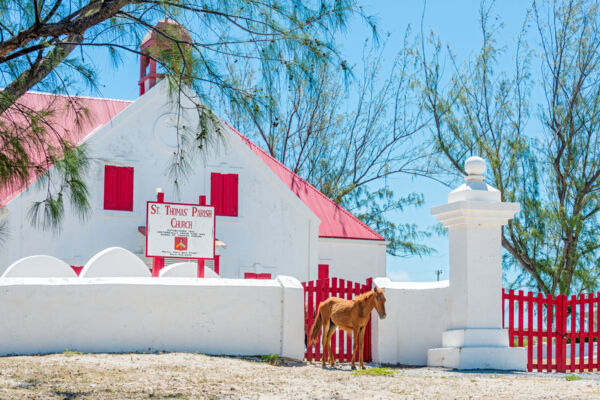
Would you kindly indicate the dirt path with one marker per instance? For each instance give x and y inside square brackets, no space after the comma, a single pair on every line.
[197,376]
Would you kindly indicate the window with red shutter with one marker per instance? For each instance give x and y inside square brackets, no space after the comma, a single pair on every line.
[118,188]
[110,187]
[216,192]
[224,194]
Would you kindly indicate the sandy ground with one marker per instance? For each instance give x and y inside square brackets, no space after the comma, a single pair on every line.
[197,376]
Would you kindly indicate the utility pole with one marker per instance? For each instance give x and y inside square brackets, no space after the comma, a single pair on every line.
[438,272]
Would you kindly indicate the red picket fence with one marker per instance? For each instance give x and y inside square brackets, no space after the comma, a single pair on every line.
[561,334]
[341,343]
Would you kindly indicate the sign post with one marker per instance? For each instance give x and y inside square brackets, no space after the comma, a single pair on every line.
[177,230]
[158,263]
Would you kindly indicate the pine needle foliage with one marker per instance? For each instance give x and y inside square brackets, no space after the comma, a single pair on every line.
[553,171]
[46,45]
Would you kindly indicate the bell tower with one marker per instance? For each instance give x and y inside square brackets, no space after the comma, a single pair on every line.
[156,39]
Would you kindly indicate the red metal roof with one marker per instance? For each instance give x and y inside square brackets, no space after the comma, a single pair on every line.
[336,222]
[64,122]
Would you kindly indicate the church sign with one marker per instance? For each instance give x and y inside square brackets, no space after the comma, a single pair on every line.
[180,230]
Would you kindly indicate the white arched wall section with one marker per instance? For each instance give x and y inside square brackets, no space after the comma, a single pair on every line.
[114,262]
[417,315]
[185,270]
[39,267]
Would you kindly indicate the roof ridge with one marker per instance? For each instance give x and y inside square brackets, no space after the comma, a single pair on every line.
[303,180]
[78,96]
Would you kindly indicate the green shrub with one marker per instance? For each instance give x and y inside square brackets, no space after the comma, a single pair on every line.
[375,371]
[272,359]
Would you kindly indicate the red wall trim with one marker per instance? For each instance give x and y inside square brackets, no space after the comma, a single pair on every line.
[253,275]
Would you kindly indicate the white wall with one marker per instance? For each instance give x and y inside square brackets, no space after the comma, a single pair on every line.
[213,316]
[274,229]
[354,260]
[417,314]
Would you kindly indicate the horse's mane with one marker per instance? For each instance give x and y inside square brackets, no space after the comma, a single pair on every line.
[364,296]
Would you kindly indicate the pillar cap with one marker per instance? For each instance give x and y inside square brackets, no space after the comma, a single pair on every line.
[474,188]
[475,213]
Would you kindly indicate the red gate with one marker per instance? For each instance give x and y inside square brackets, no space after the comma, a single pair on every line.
[341,343]
[560,333]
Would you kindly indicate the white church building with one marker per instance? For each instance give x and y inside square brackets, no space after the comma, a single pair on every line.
[269,221]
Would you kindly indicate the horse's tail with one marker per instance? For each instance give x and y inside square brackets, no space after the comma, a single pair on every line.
[316,328]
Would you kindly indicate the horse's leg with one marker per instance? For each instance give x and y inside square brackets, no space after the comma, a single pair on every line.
[354,346]
[324,341]
[361,341]
[329,335]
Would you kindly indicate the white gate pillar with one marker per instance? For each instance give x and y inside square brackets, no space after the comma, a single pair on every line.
[474,217]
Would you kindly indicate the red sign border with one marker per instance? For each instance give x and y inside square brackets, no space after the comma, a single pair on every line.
[180,204]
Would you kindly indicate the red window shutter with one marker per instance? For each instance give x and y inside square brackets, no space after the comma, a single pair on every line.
[110,187]
[263,276]
[230,195]
[118,188]
[323,271]
[216,192]
[125,189]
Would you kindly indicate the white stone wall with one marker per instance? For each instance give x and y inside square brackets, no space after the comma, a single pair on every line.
[275,232]
[354,260]
[417,315]
[212,316]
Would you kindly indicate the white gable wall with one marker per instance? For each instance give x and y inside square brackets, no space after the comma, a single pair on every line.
[354,260]
[274,231]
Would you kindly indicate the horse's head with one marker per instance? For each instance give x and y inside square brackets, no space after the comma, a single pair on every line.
[380,301]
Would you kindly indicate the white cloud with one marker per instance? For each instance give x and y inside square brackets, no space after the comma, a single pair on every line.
[399,276]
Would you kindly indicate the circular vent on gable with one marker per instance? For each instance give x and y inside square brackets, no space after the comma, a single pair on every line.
[165,131]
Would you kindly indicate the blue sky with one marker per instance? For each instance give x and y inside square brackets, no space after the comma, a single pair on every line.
[456,22]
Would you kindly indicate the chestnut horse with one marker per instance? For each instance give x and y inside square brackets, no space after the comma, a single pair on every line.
[349,315]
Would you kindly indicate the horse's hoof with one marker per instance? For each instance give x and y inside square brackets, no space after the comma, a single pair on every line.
[353,367]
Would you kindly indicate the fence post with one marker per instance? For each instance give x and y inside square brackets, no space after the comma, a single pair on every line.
[581,331]
[503,307]
[597,331]
[561,324]
[367,355]
[590,335]
[549,335]
[310,307]
[511,318]
[530,331]
[540,331]
[573,333]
